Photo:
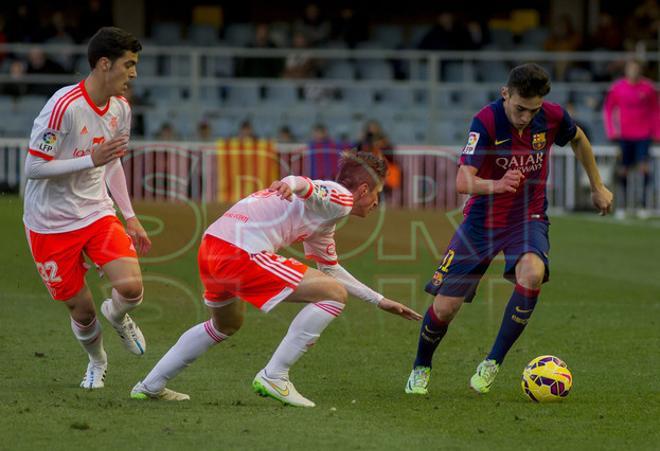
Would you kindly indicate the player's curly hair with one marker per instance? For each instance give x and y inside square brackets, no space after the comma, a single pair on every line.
[357,167]
[112,43]
[529,80]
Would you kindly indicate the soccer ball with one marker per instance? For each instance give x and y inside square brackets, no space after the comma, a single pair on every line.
[546,378]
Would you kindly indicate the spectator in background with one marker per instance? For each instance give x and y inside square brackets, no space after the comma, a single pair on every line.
[643,26]
[563,38]
[260,67]
[21,27]
[300,64]
[607,35]
[59,34]
[94,16]
[323,154]
[204,131]
[246,131]
[285,136]
[313,26]
[446,34]
[17,87]
[167,133]
[39,64]
[351,27]
[632,118]
[375,140]
[3,36]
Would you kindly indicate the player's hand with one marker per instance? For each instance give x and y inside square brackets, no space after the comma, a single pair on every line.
[396,308]
[137,233]
[282,189]
[510,182]
[602,199]
[105,152]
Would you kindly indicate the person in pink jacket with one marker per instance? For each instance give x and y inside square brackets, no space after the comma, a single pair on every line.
[632,118]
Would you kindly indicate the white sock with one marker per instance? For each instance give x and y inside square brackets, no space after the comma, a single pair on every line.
[91,339]
[193,343]
[303,332]
[120,305]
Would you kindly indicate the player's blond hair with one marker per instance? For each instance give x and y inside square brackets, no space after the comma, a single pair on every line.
[357,167]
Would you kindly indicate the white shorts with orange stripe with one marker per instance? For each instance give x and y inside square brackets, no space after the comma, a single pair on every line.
[263,279]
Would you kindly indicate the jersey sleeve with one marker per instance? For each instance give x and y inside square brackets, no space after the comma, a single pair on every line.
[477,145]
[47,136]
[329,200]
[321,247]
[567,129]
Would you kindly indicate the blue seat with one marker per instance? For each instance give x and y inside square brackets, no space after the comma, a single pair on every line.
[339,70]
[203,35]
[147,66]
[397,97]
[375,70]
[239,34]
[358,96]
[390,36]
[282,94]
[166,33]
[243,95]
[502,38]
[493,71]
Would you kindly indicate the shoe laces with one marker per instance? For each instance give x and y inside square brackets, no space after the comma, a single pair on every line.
[488,369]
[420,377]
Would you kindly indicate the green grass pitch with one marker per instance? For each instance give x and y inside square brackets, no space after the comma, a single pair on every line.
[600,313]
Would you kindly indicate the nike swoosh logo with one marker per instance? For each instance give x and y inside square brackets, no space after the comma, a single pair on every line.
[284,392]
[497,143]
[519,310]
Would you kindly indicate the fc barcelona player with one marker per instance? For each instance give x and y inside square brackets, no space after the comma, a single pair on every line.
[504,168]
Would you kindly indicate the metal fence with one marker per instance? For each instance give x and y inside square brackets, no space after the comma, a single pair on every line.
[171,172]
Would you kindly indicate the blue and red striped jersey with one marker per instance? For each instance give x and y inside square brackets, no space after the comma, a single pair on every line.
[495,146]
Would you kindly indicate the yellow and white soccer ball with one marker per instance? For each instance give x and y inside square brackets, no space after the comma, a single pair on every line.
[546,378]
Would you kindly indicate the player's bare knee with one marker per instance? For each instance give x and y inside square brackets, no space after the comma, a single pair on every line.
[531,272]
[83,316]
[228,326]
[446,308]
[130,290]
[228,320]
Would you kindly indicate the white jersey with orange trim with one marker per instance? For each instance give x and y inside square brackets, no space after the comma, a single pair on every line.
[69,125]
[264,221]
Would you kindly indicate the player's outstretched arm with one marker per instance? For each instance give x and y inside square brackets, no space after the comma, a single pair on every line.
[397,308]
[361,291]
[600,195]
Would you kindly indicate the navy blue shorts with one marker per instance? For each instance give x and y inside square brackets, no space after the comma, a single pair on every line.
[634,151]
[472,249]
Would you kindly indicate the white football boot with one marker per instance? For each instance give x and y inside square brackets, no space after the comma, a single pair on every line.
[128,331]
[280,389]
[140,392]
[95,375]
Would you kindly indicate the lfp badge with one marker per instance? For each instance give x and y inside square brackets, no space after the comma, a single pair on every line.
[49,138]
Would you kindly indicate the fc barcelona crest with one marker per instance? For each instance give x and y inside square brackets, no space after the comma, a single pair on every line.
[538,141]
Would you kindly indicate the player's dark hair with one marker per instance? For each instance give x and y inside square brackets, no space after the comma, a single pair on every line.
[529,80]
[357,167]
[112,43]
